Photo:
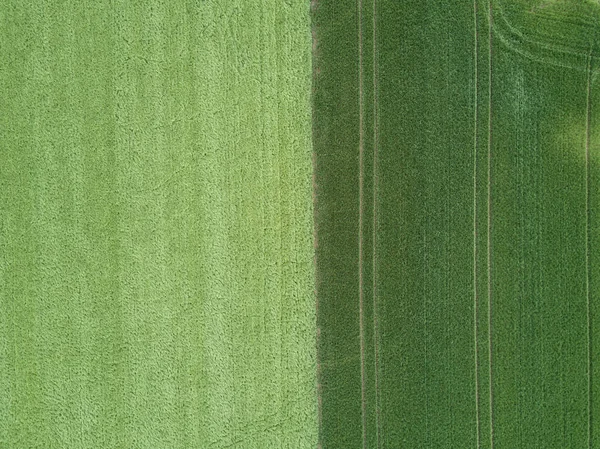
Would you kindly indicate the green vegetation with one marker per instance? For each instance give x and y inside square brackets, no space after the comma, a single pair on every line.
[157,286]
[458,223]
[156,249]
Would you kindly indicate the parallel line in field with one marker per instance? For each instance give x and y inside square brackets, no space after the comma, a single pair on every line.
[489,222]
[360,221]
[587,243]
[378,423]
[475,290]
[319,375]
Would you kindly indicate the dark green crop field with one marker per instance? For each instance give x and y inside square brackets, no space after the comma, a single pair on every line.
[458,223]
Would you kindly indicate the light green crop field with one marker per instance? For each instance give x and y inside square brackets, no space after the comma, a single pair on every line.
[458,222]
[156,243]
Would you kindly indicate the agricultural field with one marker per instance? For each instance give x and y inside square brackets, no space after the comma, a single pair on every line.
[156,238]
[292,224]
[458,223]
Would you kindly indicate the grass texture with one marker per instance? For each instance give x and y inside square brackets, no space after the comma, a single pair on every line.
[457,215]
[156,243]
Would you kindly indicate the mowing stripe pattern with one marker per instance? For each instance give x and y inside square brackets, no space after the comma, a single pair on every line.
[156,252]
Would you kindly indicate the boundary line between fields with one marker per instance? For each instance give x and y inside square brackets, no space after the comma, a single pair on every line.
[315,204]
